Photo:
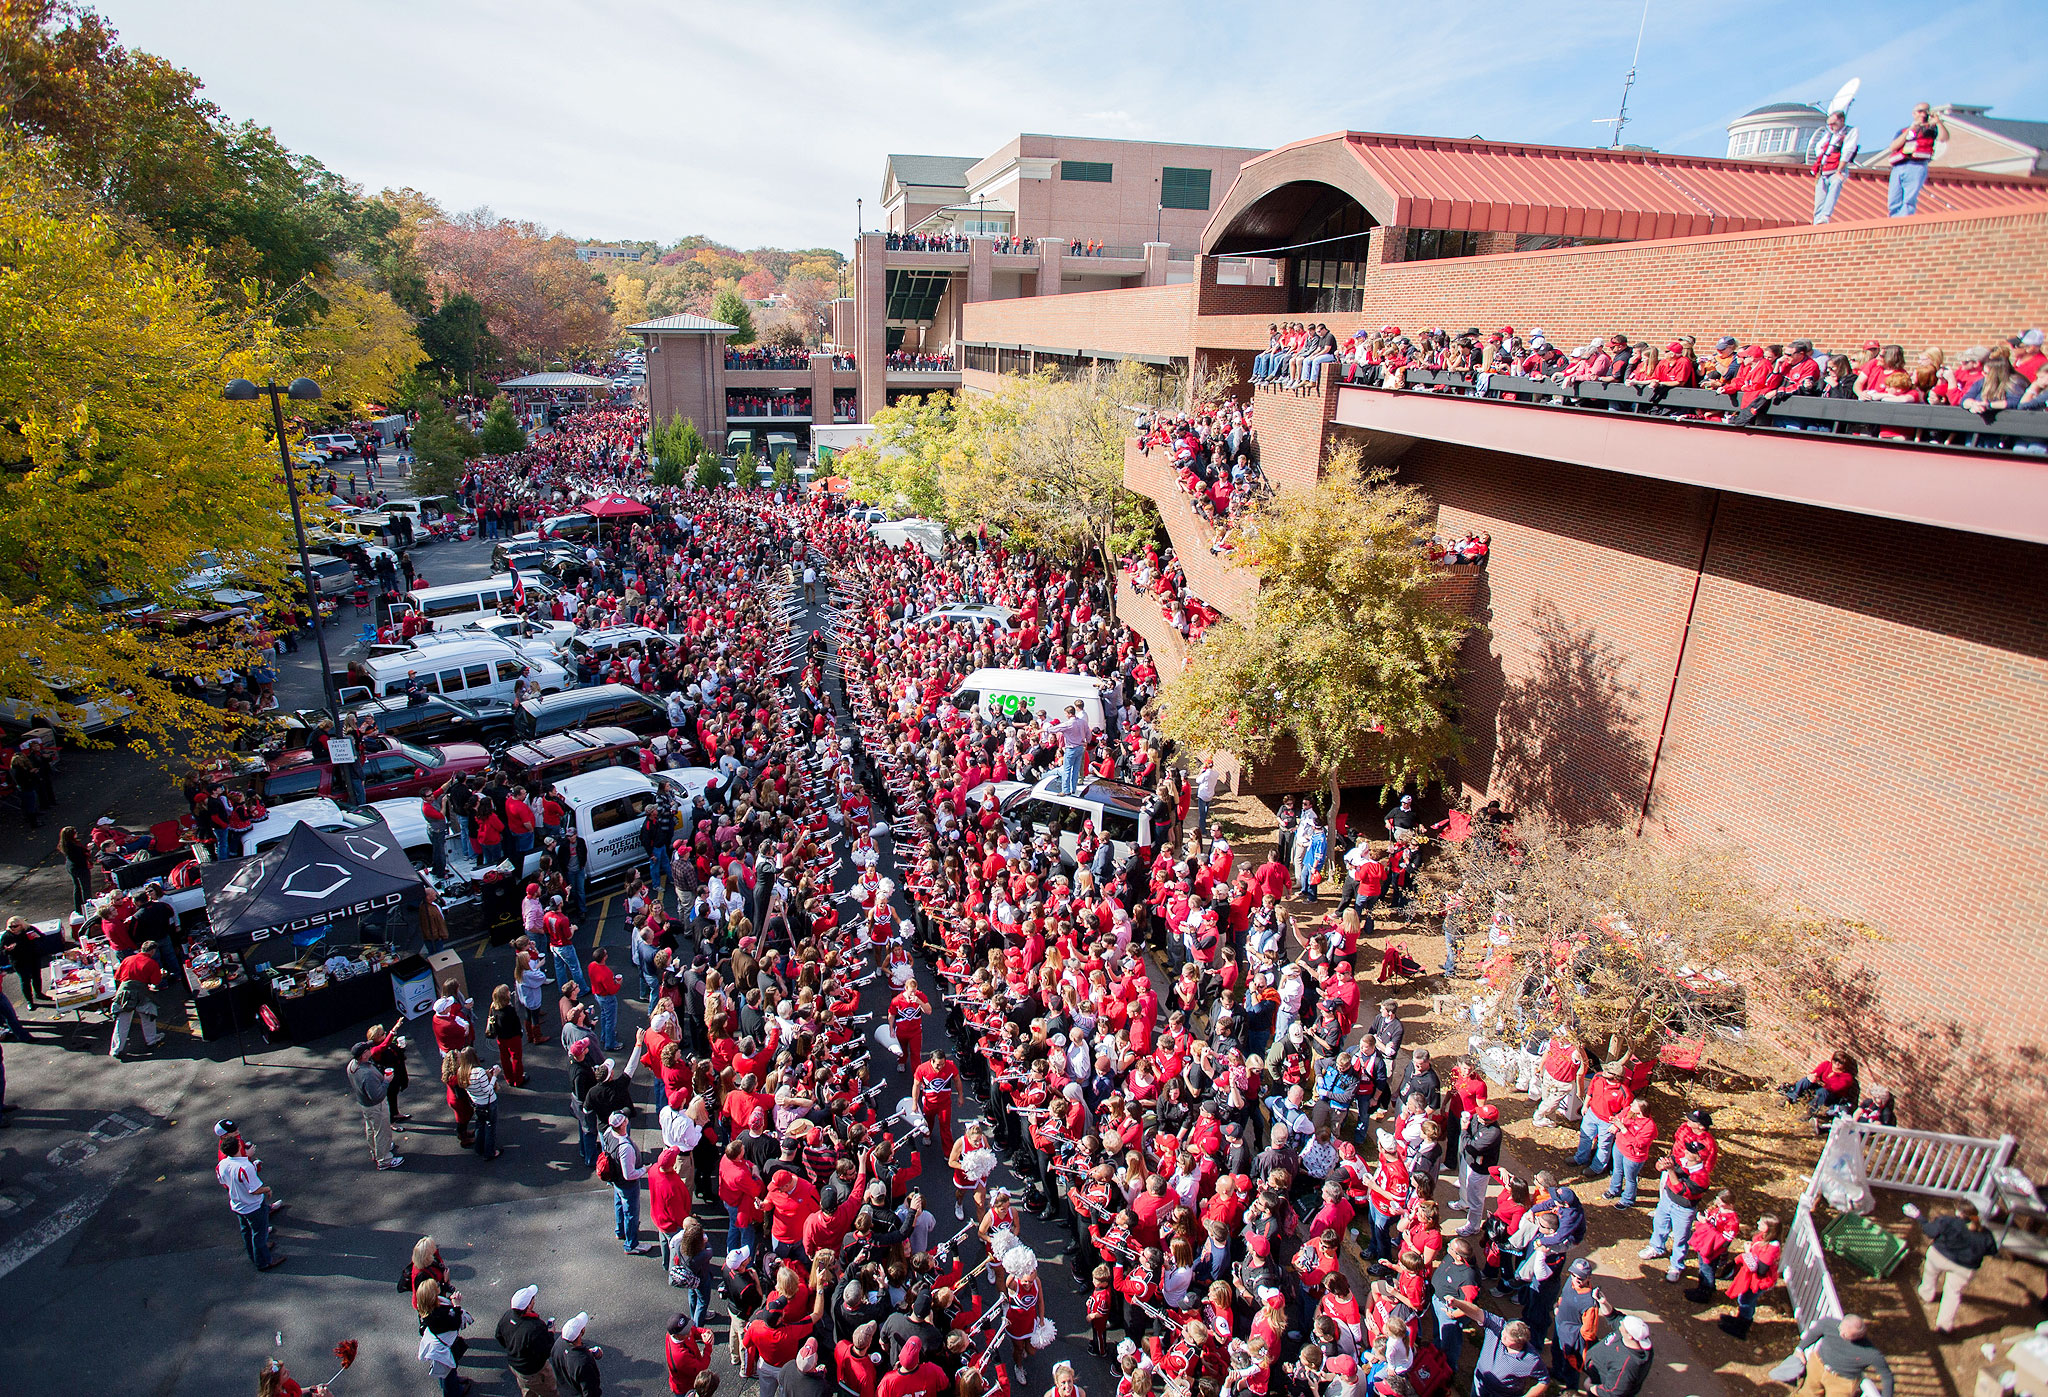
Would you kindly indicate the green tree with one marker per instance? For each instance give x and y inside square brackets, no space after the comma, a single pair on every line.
[1347,651]
[732,308]
[746,469]
[899,464]
[785,469]
[1042,459]
[440,447]
[458,341]
[501,434]
[709,473]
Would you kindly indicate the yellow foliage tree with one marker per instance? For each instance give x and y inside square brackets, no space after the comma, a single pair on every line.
[120,463]
[360,349]
[1347,652]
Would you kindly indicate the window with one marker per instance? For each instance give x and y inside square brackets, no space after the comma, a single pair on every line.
[1429,244]
[509,670]
[292,784]
[452,606]
[449,680]
[1330,274]
[613,812]
[1089,171]
[1120,827]
[1183,189]
[477,676]
[388,766]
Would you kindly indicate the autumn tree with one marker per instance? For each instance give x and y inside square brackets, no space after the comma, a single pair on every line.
[809,298]
[1347,651]
[1627,942]
[732,308]
[538,299]
[501,434]
[120,462]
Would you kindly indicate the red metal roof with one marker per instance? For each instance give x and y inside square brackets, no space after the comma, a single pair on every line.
[1485,185]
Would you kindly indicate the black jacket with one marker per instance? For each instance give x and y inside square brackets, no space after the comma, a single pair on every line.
[1482,1145]
[527,1341]
[576,1371]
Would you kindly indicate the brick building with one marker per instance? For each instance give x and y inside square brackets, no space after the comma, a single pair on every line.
[1830,651]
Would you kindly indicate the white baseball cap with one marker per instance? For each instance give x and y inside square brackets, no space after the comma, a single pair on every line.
[573,1330]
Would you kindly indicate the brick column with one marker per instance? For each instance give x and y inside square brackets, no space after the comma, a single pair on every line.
[821,389]
[871,347]
[1155,264]
[1050,251]
[981,269]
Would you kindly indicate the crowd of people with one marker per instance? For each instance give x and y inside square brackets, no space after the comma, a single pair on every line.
[920,363]
[1156,572]
[1215,460]
[2010,375]
[766,356]
[797,404]
[925,242]
[851,966]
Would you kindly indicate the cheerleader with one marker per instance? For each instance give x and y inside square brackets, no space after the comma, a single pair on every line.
[906,1019]
[1023,1305]
[1063,1384]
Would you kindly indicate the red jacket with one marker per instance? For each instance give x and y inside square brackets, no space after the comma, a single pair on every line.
[668,1193]
[686,1359]
[739,1190]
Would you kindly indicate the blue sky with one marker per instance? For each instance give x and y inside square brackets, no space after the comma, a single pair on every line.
[761,123]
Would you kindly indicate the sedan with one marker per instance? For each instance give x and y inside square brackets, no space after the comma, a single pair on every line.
[401,769]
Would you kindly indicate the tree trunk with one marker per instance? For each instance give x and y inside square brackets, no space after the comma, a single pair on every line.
[1336,800]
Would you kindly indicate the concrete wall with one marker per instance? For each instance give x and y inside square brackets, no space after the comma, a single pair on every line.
[1141,320]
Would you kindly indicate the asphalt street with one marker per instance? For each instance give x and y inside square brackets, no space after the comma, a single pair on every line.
[122,1268]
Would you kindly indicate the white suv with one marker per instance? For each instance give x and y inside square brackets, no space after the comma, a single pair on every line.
[605,639]
[1115,810]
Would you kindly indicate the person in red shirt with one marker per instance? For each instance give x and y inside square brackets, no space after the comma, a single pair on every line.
[604,988]
[906,1019]
[1607,1096]
[912,1376]
[933,1088]
[1831,1083]
[854,1362]
[519,824]
[739,1189]
[689,1353]
[1635,1140]
[135,982]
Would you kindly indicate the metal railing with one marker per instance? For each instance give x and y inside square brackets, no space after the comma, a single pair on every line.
[1804,1265]
[1181,254]
[1840,417]
[1135,254]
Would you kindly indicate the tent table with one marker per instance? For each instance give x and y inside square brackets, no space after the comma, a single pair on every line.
[220,1012]
[334,1006]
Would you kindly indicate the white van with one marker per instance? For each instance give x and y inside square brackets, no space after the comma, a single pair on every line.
[454,605]
[608,807]
[1005,694]
[484,668]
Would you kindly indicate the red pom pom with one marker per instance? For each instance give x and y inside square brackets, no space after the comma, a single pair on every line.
[346,1352]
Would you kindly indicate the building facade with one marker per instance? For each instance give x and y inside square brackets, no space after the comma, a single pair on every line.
[1827,651]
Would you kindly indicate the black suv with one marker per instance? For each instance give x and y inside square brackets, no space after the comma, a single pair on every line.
[599,705]
[438,719]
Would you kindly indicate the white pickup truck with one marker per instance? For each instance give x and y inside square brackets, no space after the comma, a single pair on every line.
[609,807]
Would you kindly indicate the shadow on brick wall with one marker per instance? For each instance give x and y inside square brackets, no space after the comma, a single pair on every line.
[1943,1075]
[1564,736]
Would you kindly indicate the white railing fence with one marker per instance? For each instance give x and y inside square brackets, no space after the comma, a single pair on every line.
[1922,1161]
[1805,1268]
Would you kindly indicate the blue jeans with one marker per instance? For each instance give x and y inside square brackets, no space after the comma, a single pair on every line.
[1201,818]
[256,1232]
[1672,1222]
[658,863]
[1826,189]
[586,1140]
[569,967]
[643,961]
[1596,1143]
[521,841]
[608,1021]
[626,1213]
[1450,1332]
[1626,1172]
[486,1127]
[1383,1238]
[1070,772]
[735,1235]
[1902,197]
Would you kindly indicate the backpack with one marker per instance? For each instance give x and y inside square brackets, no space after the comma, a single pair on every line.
[608,1170]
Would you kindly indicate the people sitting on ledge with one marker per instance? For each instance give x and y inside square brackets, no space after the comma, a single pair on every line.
[2004,377]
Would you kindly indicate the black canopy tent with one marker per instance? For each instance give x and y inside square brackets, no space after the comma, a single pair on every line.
[309,880]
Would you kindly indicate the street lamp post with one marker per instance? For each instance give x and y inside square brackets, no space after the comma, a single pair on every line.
[241,390]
